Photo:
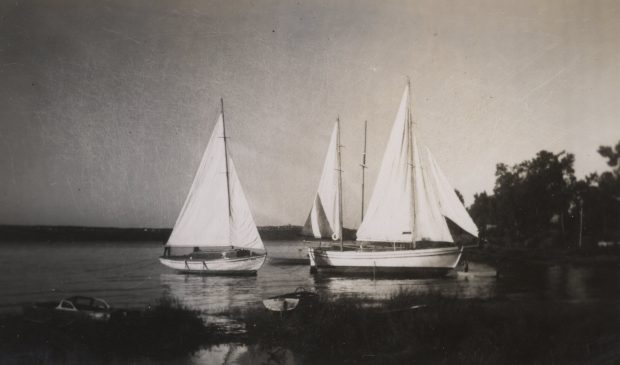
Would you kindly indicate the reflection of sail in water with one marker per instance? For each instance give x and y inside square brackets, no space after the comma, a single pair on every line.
[480,285]
[242,354]
[223,292]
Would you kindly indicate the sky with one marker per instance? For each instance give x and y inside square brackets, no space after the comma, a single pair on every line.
[106,106]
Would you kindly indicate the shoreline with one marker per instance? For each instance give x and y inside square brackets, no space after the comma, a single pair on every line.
[430,328]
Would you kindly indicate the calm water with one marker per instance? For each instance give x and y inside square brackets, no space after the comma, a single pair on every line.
[129,275]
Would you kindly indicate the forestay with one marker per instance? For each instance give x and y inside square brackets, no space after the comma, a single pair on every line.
[206,220]
[324,218]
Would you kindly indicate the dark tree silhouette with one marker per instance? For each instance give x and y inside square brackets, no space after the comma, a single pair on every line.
[541,201]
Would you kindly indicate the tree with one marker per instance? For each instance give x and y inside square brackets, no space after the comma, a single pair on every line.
[599,196]
[528,197]
[612,155]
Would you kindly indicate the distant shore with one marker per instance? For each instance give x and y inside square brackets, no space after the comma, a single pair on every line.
[77,233]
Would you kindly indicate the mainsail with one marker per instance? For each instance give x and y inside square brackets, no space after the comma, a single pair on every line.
[324,218]
[206,219]
[389,213]
[411,197]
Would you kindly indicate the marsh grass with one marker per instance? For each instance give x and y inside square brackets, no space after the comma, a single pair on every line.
[405,328]
[444,331]
[166,330]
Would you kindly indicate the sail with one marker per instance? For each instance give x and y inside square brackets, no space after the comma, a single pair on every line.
[451,206]
[243,231]
[388,217]
[429,223]
[324,218]
[204,219]
[403,208]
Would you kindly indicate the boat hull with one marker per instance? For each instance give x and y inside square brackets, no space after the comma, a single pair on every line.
[433,261]
[290,301]
[226,266]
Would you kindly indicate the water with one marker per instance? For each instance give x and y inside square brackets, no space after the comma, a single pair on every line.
[128,274]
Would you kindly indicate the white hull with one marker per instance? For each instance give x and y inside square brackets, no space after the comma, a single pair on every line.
[399,261]
[281,304]
[233,266]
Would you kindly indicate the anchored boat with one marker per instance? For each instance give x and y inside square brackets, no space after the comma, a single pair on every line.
[216,220]
[405,229]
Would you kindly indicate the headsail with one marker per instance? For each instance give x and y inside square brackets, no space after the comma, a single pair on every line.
[324,218]
[205,219]
[243,231]
[451,206]
[429,224]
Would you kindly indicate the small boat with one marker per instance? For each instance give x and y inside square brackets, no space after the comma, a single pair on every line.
[69,308]
[288,302]
[405,228]
[216,220]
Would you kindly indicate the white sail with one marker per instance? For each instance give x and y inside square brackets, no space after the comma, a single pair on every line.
[388,217]
[243,231]
[394,215]
[205,220]
[324,218]
[430,225]
[451,206]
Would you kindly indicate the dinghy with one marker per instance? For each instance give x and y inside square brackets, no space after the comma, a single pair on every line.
[216,220]
[288,302]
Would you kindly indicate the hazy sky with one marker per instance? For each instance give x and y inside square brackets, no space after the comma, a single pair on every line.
[107,106]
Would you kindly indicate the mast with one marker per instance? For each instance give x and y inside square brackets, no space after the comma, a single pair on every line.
[363,165]
[411,164]
[226,157]
[339,185]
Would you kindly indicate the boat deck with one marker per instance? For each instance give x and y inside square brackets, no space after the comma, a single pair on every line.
[214,255]
[386,246]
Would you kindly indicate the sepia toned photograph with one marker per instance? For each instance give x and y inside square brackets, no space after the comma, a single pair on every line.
[300,182]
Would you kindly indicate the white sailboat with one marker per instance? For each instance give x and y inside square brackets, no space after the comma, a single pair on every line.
[216,219]
[324,220]
[405,227]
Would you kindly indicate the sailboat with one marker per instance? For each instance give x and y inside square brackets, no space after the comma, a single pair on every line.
[324,220]
[405,228]
[216,220]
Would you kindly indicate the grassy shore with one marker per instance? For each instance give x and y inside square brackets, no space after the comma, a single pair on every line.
[407,328]
[443,331]
[165,331]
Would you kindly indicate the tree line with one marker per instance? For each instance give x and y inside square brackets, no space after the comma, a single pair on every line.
[540,203]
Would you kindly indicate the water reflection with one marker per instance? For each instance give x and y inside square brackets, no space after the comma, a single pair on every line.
[128,275]
[214,294]
[234,354]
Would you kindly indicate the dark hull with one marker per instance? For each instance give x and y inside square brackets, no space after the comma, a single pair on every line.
[384,272]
